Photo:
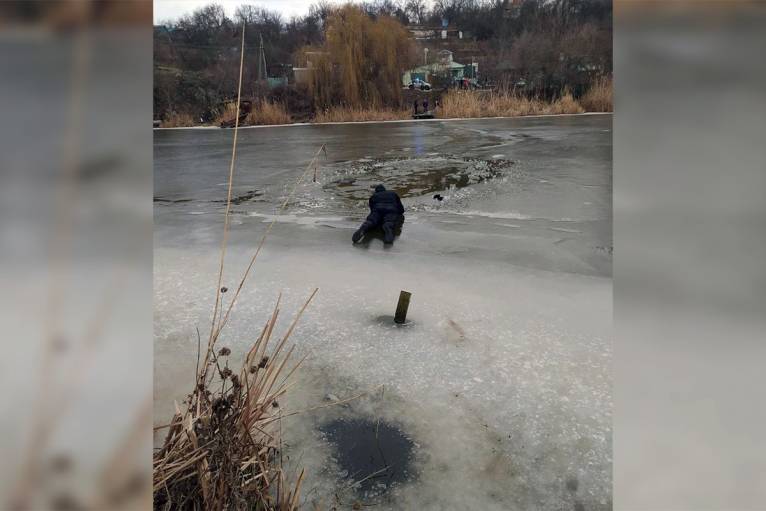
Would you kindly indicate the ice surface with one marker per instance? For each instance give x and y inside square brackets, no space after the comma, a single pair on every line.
[501,378]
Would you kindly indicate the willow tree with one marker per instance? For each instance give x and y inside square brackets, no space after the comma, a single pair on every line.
[321,84]
[361,60]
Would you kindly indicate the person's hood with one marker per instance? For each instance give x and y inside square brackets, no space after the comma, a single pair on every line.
[380,188]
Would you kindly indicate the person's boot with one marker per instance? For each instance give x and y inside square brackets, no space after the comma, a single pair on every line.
[358,235]
[388,234]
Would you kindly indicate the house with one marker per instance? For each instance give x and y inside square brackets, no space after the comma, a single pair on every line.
[444,68]
[423,33]
[444,32]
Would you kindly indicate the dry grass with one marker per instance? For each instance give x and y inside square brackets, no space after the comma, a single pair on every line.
[228,113]
[472,104]
[222,451]
[178,121]
[349,114]
[269,113]
[566,104]
[599,96]
[263,113]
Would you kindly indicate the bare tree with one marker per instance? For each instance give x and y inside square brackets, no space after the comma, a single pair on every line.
[416,11]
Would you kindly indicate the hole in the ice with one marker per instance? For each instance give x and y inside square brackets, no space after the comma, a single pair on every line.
[372,455]
[239,199]
[409,177]
[572,483]
[388,320]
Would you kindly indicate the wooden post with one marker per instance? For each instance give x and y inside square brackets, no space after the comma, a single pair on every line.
[402,306]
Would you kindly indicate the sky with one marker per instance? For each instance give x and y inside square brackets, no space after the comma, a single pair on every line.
[165,10]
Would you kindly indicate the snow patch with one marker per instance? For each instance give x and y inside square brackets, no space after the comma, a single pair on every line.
[511,215]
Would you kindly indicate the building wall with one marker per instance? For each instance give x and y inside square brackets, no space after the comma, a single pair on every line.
[426,73]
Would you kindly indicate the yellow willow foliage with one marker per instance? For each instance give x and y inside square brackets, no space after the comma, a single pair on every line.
[361,60]
[322,81]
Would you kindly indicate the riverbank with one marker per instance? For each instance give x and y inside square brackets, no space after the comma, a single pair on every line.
[454,104]
[391,121]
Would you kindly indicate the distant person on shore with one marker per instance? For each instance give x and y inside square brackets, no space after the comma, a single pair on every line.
[425,105]
[386,212]
[415,107]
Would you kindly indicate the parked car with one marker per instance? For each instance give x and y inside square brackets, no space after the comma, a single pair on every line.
[465,83]
[417,83]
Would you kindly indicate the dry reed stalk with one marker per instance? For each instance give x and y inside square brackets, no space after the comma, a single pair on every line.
[121,484]
[42,422]
[220,453]
[231,178]
[225,317]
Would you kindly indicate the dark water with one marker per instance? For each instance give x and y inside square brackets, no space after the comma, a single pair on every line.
[374,454]
[412,176]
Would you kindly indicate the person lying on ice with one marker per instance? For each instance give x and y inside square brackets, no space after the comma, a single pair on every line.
[386,211]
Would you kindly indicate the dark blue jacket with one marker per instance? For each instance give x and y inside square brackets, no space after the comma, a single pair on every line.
[386,201]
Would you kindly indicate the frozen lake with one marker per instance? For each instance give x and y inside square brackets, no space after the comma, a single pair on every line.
[500,384]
